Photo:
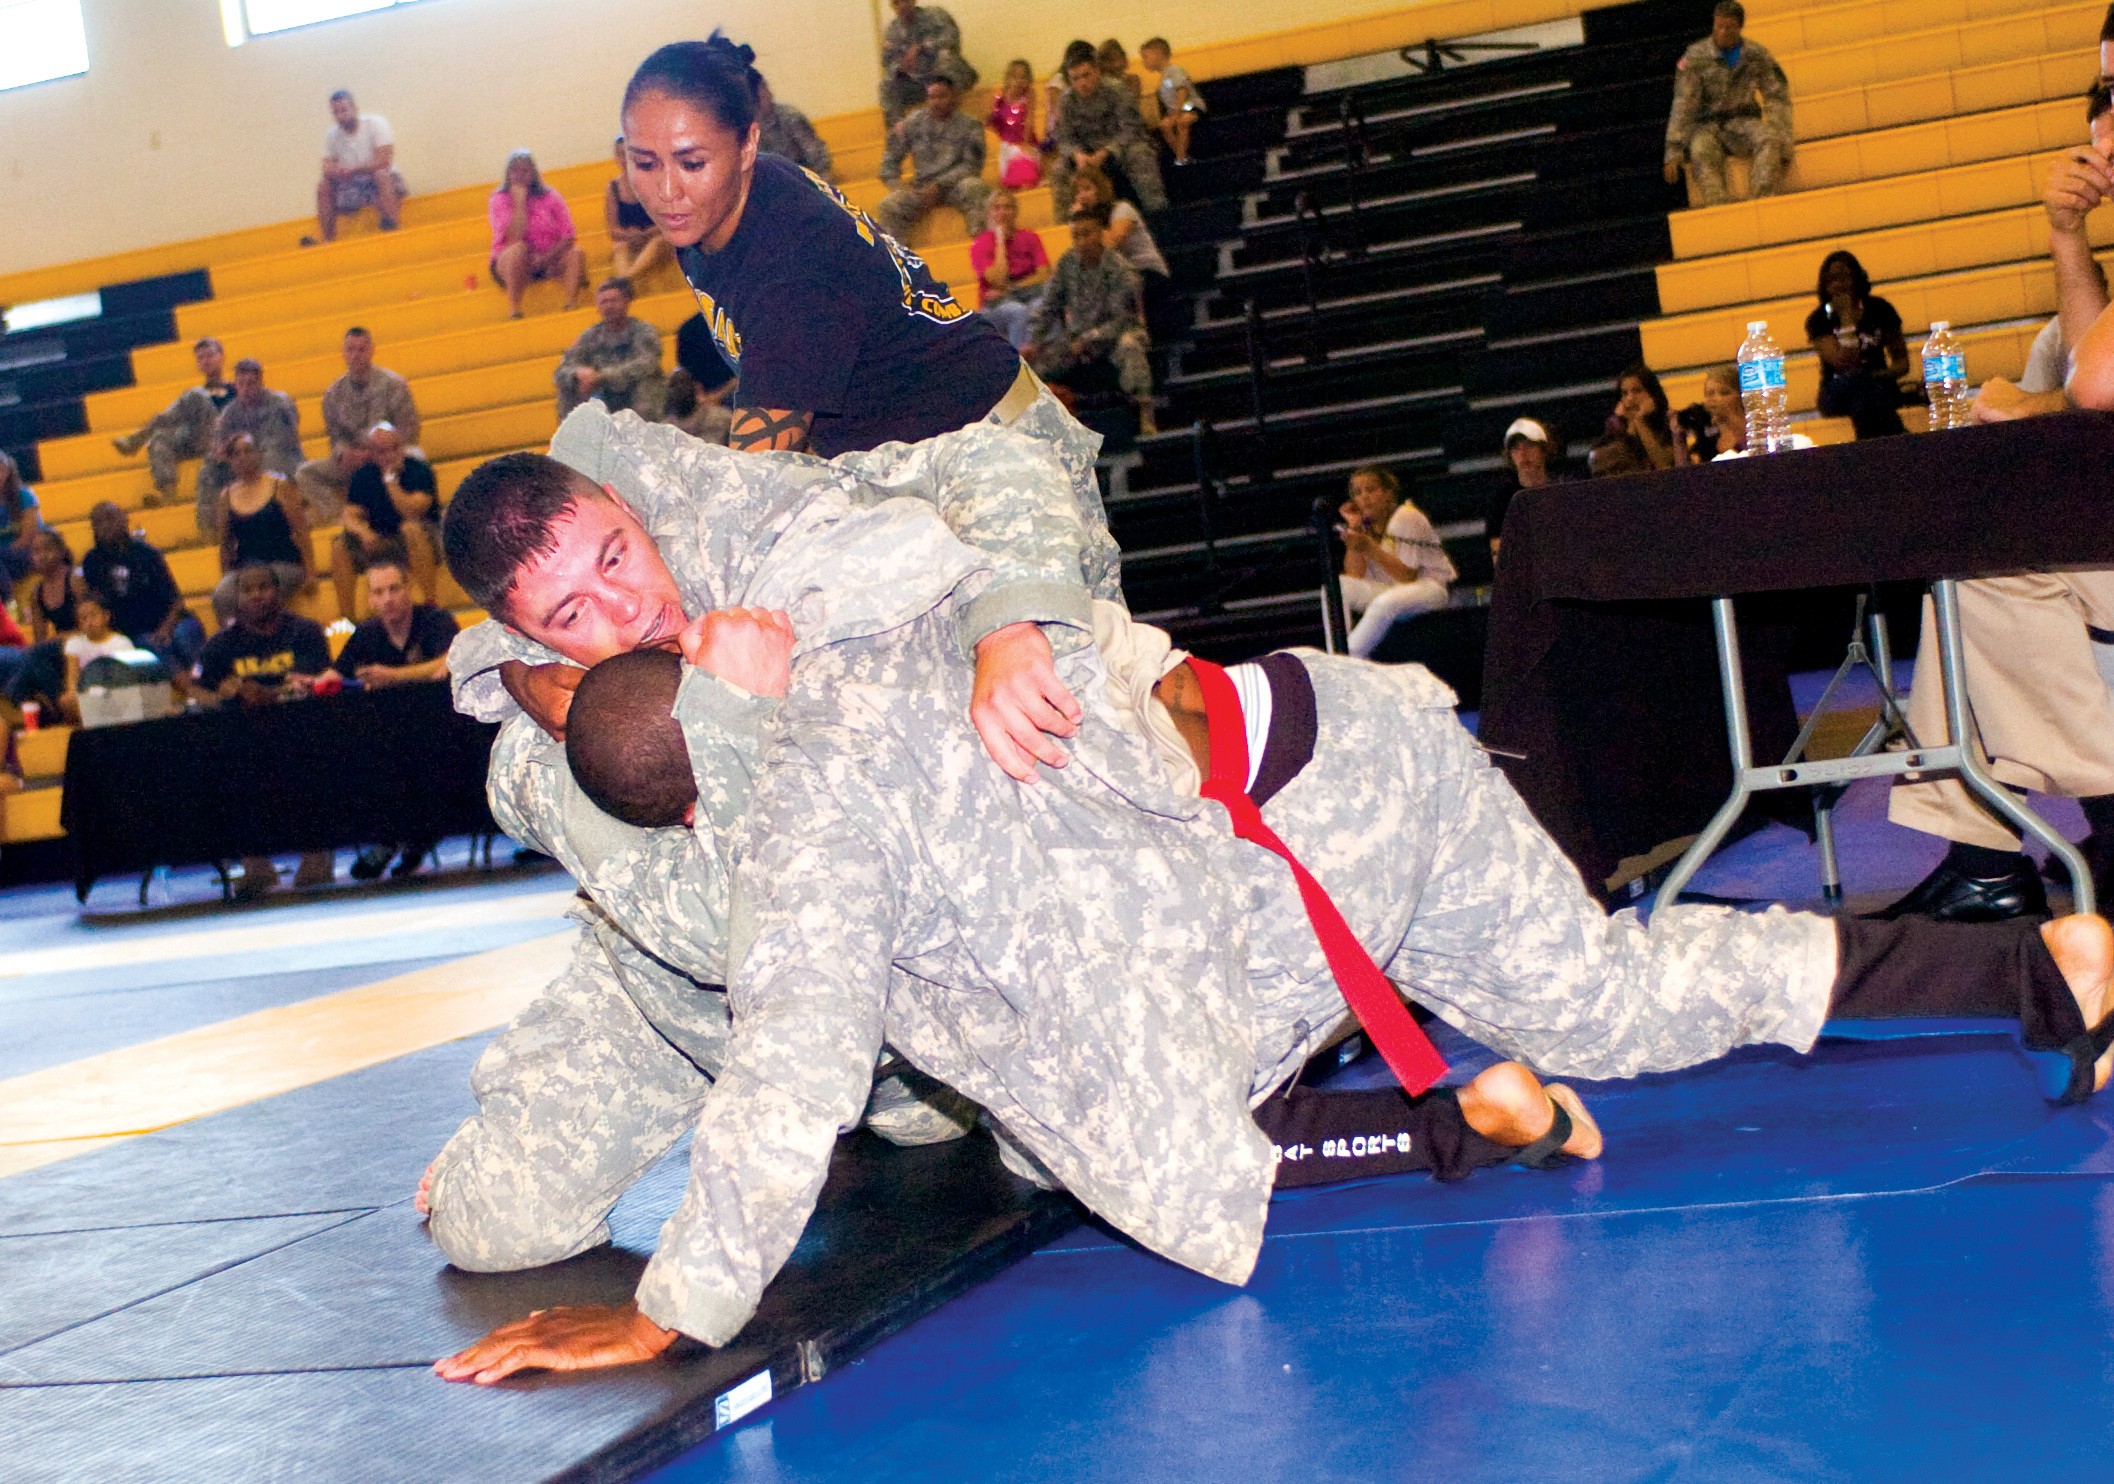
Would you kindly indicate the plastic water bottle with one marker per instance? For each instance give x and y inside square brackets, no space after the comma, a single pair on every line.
[1762,391]
[1945,377]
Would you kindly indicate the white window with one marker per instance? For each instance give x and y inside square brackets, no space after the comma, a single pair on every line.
[40,40]
[242,19]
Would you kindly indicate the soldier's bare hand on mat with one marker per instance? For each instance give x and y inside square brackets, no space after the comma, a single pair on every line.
[545,692]
[583,1338]
[1020,705]
[748,647]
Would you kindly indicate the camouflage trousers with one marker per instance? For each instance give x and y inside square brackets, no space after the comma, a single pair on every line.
[1470,908]
[904,207]
[586,1090]
[1751,137]
[182,430]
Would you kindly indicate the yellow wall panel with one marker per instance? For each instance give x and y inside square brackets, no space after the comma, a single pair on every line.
[33,815]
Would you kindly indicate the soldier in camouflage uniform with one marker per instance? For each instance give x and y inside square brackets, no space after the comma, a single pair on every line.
[946,152]
[1094,959]
[1093,314]
[784,130]
[920,44]
[1099,124]
[183,429]
[1730,98]
[622,356]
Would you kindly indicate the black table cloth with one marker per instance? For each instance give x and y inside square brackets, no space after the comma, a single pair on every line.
[1600,665]
[379,766]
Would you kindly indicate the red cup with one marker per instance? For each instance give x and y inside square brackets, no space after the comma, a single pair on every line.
[32,716]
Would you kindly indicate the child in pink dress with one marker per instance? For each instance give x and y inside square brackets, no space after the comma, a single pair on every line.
[1013,121]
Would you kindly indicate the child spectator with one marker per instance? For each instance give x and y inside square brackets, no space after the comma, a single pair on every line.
[532,235]
[94,639]
[263,525]
[1114,64]
[1131,240]
[183,429]
[1088,323]
[1011,268]
[1394,564]
[19,520]
[46,596]
[1727,433]
[1532,455]
[1013,121]
[636,246]
[392,506]
[1180,103]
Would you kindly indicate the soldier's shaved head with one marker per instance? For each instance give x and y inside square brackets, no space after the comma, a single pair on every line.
[624,745]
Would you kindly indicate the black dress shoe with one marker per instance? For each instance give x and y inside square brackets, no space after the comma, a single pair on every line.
[371,862]
[1949,894]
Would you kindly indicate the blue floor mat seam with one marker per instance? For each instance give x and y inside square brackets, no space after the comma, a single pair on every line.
[132,1226]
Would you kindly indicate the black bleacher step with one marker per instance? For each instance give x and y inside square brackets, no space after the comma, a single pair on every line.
[1566,359]
[1577,299]
[1303,388]
[1612,24]
[24,427]
[1278,88]
[1344,324]
[1575,413]
[84,338]
[145,295]
[1332,437]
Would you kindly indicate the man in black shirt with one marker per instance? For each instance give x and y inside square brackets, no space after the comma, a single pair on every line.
[401,642]
[391,503]
[144,600]
[266,652]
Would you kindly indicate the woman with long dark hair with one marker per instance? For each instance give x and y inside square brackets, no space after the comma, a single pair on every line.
[1863,355]
[1641,413]
[532,234]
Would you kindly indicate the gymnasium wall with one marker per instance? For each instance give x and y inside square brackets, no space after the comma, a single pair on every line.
[174,134]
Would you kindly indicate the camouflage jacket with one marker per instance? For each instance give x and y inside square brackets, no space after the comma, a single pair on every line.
[1706,91]
[929,27]
[942,152]
[787,133]
[1106,118]
[1095,304]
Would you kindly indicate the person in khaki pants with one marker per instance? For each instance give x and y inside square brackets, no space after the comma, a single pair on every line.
[2046,723]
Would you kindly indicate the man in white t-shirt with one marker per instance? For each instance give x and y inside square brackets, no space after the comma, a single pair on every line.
[359,168]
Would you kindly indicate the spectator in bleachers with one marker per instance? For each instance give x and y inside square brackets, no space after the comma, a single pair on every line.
[945,148]
[1089,323]
[393,503]
[262,655]
[616,360]
[636,246]
[1723,426]
[1114,65]
[1181,105]
[1013,121]
[1130,239]
[844,340]
[359,168]
[272,422]
[95,637]
[183,429]
[1730,98]
[46,594]
[701,413]
[365,395]
[1011,268]
[262,524]
[1863,355]
[532,235]
[920,44]
[1058,86]
[1534,457]
[1643,414]
[785,131]
[145,601]
[1394,564]
[398,643]
[1098,125]
[20,519]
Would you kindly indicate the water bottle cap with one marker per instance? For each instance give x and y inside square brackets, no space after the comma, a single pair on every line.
[1756,327]
[1937,325]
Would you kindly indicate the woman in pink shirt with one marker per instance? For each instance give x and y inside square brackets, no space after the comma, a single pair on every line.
[1011,267]
[532,234]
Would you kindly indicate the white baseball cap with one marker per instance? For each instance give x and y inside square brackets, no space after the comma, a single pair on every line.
[1529,429]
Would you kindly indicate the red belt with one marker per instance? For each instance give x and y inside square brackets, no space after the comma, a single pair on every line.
[1398,1038]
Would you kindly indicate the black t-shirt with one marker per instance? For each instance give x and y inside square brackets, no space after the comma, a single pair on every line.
[432,631]
[295,646]
[220,395]
[1878,324]
[137,583]
[368,491]
[817,310]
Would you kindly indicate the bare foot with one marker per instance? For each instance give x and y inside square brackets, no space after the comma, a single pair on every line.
[2082,946]
[1508,1104]
[422,1202]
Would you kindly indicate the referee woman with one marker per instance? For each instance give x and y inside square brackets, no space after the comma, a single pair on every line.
[841,337]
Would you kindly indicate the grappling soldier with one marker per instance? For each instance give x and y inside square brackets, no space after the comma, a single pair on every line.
[1104,940]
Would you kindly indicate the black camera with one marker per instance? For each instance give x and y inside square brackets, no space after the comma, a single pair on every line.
[1694,418]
